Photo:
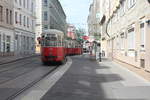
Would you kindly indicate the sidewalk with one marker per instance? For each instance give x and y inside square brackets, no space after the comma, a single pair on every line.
[8,59]
[139,71]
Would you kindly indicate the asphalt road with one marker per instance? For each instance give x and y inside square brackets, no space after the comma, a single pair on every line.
[81,78]
[17,76]
[88,80]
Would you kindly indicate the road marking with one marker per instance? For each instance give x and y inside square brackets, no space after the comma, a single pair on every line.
[38,90]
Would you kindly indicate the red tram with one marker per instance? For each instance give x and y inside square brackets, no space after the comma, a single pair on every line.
[53,46]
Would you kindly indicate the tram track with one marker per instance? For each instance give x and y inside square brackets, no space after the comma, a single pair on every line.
[30,85]
[2,70]
[19,59]
[19,72]
[19,75]
[15,64]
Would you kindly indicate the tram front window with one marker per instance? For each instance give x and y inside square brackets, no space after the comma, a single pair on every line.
[53,42]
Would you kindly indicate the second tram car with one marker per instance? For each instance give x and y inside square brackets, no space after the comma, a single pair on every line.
[53,46]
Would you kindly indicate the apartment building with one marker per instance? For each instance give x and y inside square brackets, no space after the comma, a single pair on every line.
[50,15]
[24,26]
[126,32]
[96,22]
[93,19]
[6,28]
[90,20]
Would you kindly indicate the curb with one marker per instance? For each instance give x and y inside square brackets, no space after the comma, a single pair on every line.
[20,58]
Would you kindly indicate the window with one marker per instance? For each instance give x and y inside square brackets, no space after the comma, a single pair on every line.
[45,26]
[45,2]
[16,17]
[131,39]
[20,19]
[122,41]
[122,9]
[45,16]
[0,43]
[16,1]
[32,24]
[11,17]
[142,31]
[7,16]
[24,20]
[24,3]
[28,22]
[1,13]
[117,43]
[117,15]
[131,3]
[28,4]
[20,2]
[32,7]
[28,43]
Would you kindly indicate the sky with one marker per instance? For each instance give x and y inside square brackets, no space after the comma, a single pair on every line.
[77,11]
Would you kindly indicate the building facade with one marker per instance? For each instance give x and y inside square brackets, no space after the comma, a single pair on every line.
[94,27]
[93,19]
[24,26]
[6,28]
[125,28]
[90,20]
[50,15]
